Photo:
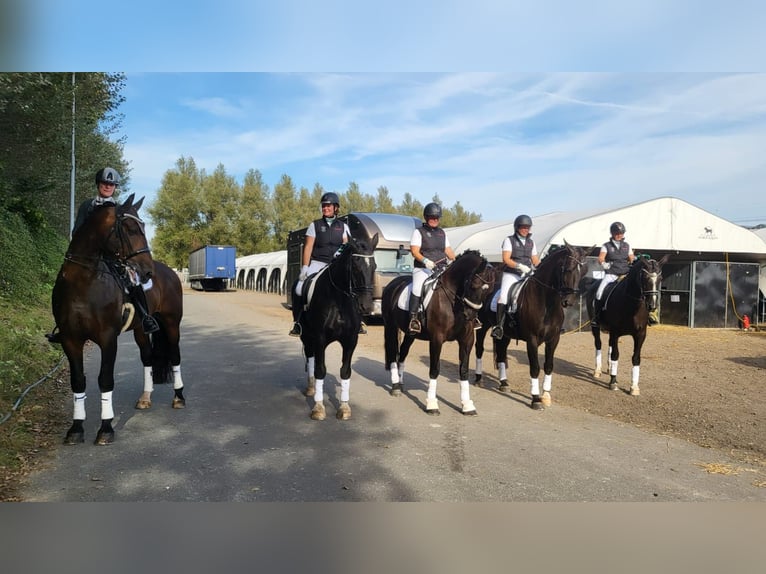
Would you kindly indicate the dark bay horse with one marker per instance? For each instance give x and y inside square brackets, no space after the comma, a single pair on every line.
[624,310]
[89,302]
[542,298]
[459,293]
[340,294]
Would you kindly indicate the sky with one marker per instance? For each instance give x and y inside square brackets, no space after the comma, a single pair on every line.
[537,107]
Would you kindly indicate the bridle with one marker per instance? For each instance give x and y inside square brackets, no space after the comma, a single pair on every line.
[353,290]
[484,287]
[563,290]
[122,240]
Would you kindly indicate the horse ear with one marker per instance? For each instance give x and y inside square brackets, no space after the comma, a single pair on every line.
[137,206]
[664,259]
[129,202]
[374,241]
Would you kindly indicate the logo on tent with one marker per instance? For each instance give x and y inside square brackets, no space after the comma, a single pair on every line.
[708,234]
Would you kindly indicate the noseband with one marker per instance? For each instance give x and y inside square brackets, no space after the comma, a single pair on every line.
[353,290]
[471,304]
[122,238]
[562,290]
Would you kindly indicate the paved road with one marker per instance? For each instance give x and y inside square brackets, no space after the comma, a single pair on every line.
[246,435]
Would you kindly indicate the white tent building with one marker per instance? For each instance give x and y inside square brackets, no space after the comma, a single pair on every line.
[262,272]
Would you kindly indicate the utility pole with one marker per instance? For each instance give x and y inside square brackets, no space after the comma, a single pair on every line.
[72,173]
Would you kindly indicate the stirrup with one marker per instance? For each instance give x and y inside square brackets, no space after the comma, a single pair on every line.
[362,328]
[54,336]
[497,332]
[149,325]
[414,326]
[296,330]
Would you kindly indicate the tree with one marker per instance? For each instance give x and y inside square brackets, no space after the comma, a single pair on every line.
[286,213]
[410,206]
[252,229]
[383,201]
[220,200]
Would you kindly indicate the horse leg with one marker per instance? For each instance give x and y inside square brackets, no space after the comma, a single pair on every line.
[550,351]
[534,373]
[344,410]
[172,338]
[501,360]
[398,367]
[480,334]
[638,342]
[105,433]
[309,352]
[391,346]
[320,370]
[464,354]
[596,330]
[435,349]
[73,350]
[145,350]
[614,355]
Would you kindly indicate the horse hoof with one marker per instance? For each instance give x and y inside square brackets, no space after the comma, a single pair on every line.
[597,373]
[179,403]
[74,438]
[433,412]
[143,404]
[310,387]
[318,413]
[477,381]
[634,391]
[344,412]
[469,409]
[396,389]
[613,386]
[103,438]
[546,399]
[537,403]
[504,387]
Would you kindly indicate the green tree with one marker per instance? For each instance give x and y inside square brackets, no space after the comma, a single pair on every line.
[220,200]
[410,206]
[383,201]
[252,229]
[286,212]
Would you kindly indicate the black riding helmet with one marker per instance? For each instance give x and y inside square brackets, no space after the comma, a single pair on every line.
[522,220]
[432,210]
[617,228]
[330,197]
[107,175]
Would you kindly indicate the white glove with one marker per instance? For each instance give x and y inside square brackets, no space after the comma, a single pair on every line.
[523,268]
[606,265]
[428,263]
[304,273]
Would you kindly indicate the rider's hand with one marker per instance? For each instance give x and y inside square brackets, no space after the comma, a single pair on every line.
[428,263]
[605,265]
[523,268]
[304,273]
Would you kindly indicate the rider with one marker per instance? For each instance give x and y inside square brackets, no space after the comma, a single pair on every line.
[519,255]
[429,246]
[615,257]
[324,237]
[107,180]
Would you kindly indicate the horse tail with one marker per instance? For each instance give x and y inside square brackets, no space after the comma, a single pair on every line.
[162,368]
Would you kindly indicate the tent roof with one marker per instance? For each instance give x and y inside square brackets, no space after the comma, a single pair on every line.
[664,224]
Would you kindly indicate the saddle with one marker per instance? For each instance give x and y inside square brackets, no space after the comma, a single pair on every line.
[513,297]
[307,289]
[608,291]
[429,287]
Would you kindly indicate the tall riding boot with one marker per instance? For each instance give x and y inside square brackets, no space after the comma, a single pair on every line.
[414,327]
[497,331]
[148,323]
[297,309]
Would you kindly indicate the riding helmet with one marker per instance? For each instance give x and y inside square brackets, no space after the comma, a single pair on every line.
[432,210]
[107,175]
[330,197]
[617,228]
[522,220]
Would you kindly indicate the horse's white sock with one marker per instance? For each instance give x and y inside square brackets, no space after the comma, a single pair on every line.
[431,389]
[345,388]
[535,385]
[478,367]
[613,369]
[465,392]
[148,383]
[634,374]
[547,380]
[107,412]
[319,391]
[310,366]
[79,406]
[501,371]
[394,373]
[177,381]
[401,372]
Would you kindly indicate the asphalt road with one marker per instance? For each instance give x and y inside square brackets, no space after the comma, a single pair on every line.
[245,434]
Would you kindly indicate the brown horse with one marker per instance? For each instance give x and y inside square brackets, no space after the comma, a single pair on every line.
[541,301]
[89,302]
[624,310]
[450,316]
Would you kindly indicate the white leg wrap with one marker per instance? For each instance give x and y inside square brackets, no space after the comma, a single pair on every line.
[465,392]
[501,371]
[598,360]
[431,390]
[178,382]
[345,388]
[107,412]
[613,368]
[319,391]
[310,366]
[401,372]
[634,375]
[394,373]
[535,386]
[478,367]
[148,383]
[547,380]
[79,406]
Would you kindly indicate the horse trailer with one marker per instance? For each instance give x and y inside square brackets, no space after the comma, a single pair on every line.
[212,267]
[392,255]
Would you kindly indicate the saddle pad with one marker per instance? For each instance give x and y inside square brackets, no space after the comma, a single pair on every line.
[404,297]
[311,280]
[513,295]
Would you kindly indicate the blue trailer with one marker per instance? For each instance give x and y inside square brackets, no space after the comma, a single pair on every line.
[212,267]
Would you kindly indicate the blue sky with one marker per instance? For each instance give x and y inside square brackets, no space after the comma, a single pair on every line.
[641,112]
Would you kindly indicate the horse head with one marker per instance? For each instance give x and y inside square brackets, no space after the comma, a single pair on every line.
[126,239]
[473,278]
[650,278]
[360,254]
[561,270]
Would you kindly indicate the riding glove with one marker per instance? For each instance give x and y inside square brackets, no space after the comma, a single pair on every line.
[428,263]
[304,273]
[523,268]
[606,265]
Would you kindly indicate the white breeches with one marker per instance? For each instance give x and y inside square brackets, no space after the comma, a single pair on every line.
[419,276]
[314,266]
[608,278]
[508,280]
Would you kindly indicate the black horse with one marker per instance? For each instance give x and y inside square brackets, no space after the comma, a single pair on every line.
[89,302]
[624,310]
[338,296]
[459,293]
[542,298]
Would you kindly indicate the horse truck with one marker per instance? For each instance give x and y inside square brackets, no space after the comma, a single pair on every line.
[392,255]
[212,267]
